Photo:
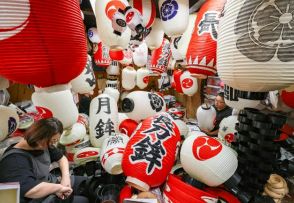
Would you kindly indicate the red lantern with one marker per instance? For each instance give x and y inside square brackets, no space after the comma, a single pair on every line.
[177,80]
[40,46]
[101,56]
[116,55]
[288,98]
[160,57]
[150,153]
[128,126]
[201,54]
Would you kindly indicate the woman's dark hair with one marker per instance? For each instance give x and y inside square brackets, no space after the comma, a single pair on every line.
[221,94]
[43,129]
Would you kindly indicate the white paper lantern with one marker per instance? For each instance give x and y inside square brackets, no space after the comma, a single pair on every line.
[113,68]
[208,160]
[140,55]
[93,35]
[128,78]
[139,105]
[9,121]
[112,92]
[205,116]
[255,45]
[113,83]
[128,57]
[155,37]
[188,83]
[147,9]
[60,103]
[142,79]
[4,83]
[86,81]
[74,134]
[111,25]
[85,155]
[227,131]
[174,16]
[103,119]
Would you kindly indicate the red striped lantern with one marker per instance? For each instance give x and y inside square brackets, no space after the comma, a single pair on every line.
[101,56]
[160,57]
[147,9]
[201,53]
[150,153]
[38,46]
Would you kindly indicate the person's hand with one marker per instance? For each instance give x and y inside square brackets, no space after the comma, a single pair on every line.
[65,181]
[63,192]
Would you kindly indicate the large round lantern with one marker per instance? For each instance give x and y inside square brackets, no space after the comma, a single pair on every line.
[257,57]
[101,55]
[9,121]
[86,81]
[142,78]
[139,105]
[73,135]
[206,116]
[155,37]
[140,55]
[208,160]
[147,9]
[160,57]
[128,78]
[201,53]
[189,84]
[37,46]
[174,16]
[111,23]
[151,151]
[103,119]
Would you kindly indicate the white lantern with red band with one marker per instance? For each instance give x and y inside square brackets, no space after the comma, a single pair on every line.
[103,119]
[111,23]
[112,152]
[128,126]
[52,46]
[71,149]
[147,9]
[134,102]
[128,57]
[134,20]
[86,81]
[128,78]
[140,55]
[257,57]
[206,115]
[9,121]
[188,83]
[113,68]
[201,53]
[85,155]
[60,103]
[93,35]
[142,78]
[208,160]
[174,16]
[101,56]
[227,132]
[73,135]
[155,37]
[150,153]
[84,119]
[179,45]
[112,92]
[160,57]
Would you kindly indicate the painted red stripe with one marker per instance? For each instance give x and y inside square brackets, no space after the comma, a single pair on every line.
[138,4]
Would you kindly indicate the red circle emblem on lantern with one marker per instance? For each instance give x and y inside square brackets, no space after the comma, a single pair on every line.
[205,148]
[146,79]
[187,83]
[113,6]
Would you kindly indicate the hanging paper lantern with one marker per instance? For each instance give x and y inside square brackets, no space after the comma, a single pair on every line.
[174,16]
[160,57]
[188,83]
[142,78]
[155,37]
[147,9]
[201,54]
[113,68]
[101,56]
[9,121]
[113,83]
[179,45]
[257,57]
[150,153]
[177,80]
[208,160]
[103,119]
[128,57]
[73,135]
[134,20]
[128,126]
[93,35]
[227,132]
[112,151]
[73,148]
[86,81]
[85,155]
[60,103]
[111,23]
[116,55]
[206,115]
[128,78]
[37,46]
[112,92]
[140,55]
[134,102]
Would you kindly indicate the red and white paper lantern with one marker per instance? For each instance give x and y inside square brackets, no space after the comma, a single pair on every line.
[155,37]
[160,57]
[111,23]
[128,78]
[147,9]
[134,102]
[227,132]
[38,48]
[101,56]
[128,126]
[140,55]
[103,119]
[208,160]
[9,121]
[176,83]
[188,83]
[73,135]
[116,55]
[257,57]
[201,53]
[113,68]
[85,155]
[174,16]
[73,148]
[150,153]
[206,115]
[142,78]
[128,57]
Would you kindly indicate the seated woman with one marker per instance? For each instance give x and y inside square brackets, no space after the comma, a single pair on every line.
[28,162]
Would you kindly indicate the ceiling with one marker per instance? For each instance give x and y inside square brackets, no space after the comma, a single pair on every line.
[90,20]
